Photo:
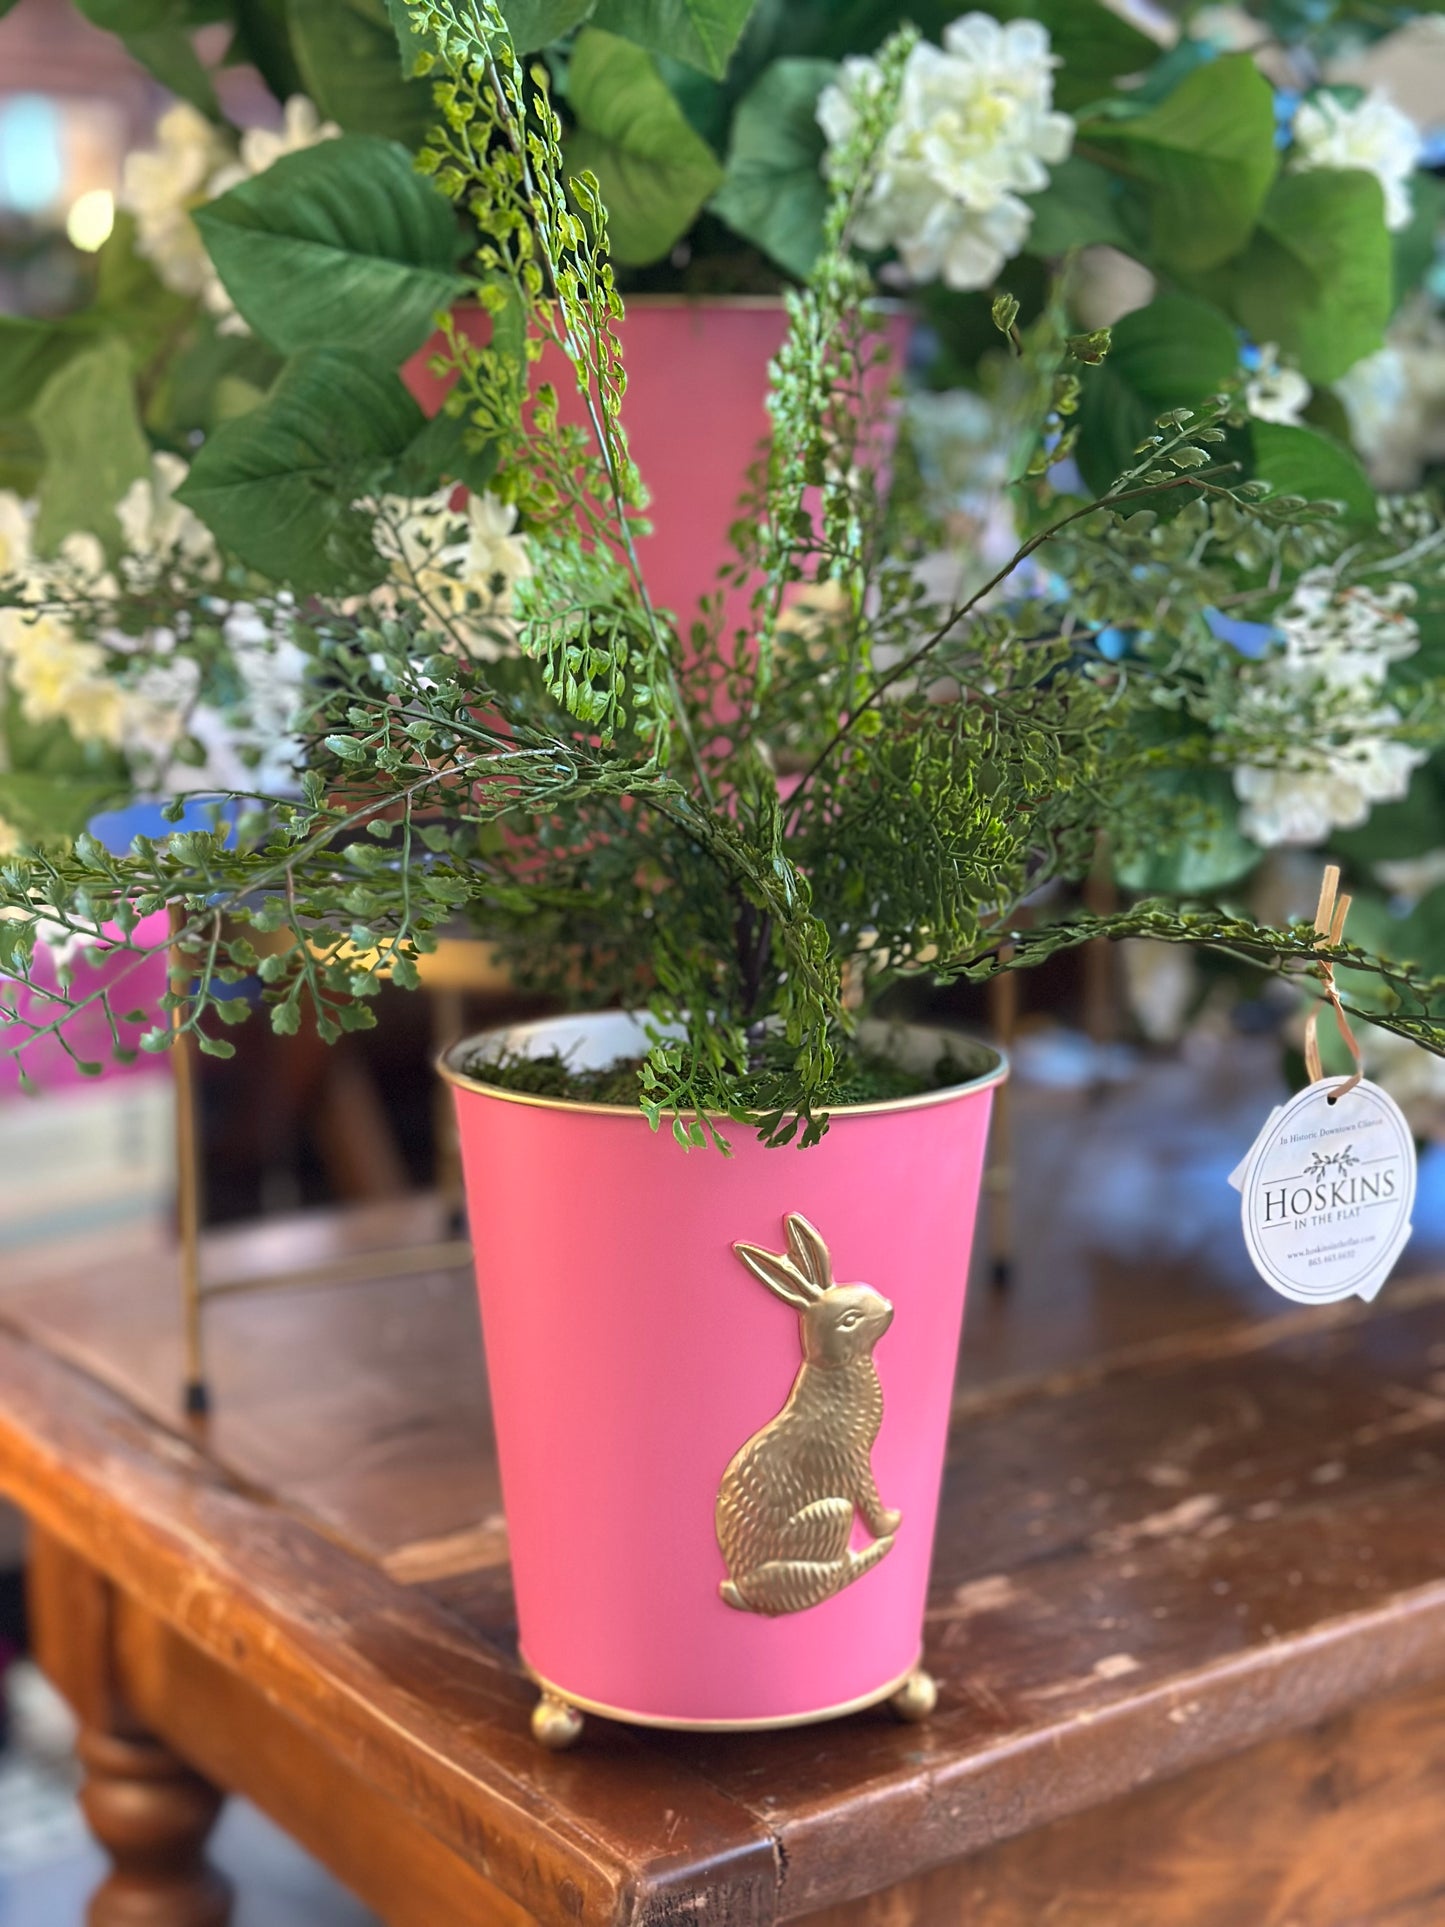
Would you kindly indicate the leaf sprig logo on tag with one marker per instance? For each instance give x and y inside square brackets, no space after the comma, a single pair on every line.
[1327,1191]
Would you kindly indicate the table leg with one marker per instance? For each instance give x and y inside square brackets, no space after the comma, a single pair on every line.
[153,1815]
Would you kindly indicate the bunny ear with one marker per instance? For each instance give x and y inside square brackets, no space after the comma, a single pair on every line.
[779,1274]
[808,1253]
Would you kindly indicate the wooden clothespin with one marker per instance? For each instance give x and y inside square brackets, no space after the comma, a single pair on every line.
[1330,923]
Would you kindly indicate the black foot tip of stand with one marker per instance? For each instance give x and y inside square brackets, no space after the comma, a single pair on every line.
[1001,1274]
[197,1398]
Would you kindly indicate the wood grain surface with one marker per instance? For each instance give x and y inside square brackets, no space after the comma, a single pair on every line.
[1188,1610]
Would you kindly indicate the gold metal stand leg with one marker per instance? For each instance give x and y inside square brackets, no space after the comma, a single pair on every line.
[916,1697]
[998,1175]
[555,1724]
[195,1395]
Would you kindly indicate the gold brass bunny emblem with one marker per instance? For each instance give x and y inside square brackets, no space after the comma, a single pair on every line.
[787,1502]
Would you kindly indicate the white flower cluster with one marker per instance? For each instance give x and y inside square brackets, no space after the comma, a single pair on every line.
[1324,684]
[463,561]
[975,130]
[190,164]
[142,696]
[1374,136]
[1275,393]
[1395,398]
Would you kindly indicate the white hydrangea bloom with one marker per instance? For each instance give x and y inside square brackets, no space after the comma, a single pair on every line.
[161,533]
[975,130]
[162,184]
[1304,805]
[191,164]
[464,561]
[1395,399]
[1325,681]
[1345,639]
[16,517]
[1374,136]
[61,679]
[301,127]
[1274,393]
[1415,1078]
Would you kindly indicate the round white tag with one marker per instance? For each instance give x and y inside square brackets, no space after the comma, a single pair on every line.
[1327,1191]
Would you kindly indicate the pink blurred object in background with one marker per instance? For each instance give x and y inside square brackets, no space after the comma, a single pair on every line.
[695,412]
[134,986]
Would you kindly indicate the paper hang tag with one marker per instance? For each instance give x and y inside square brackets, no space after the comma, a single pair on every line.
[1327,1192]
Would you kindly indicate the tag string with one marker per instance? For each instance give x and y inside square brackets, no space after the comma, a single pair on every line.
[1330,922]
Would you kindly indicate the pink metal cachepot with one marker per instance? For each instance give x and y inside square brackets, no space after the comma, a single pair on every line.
[695,414]
[712,1521]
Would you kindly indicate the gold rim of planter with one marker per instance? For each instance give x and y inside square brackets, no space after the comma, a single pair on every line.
[600,1710]
[463,1080]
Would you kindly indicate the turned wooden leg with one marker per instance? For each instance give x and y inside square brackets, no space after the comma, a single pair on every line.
[152,1815]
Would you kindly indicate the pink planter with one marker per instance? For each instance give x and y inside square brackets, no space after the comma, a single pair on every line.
[632,1353]
[134,986]
[695,412]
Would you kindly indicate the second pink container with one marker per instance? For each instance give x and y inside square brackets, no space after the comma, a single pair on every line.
[634,1352]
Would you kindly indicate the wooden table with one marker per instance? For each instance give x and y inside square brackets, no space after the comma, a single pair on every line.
[1188,1612]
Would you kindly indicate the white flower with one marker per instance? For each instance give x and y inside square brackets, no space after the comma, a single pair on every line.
[1373,136]
[1323,685]
[1395,399]
[497,557]
[302,127]
[464,561]
[11,841]
[16,517]
[1304,805]
[161,185]
[974,128]
[59,678]
[1345,639]
[1273,393]
[1415,1078]
[191,164]
[160,532]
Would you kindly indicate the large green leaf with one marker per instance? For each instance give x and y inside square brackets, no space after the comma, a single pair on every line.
[133,302]
[347,53]
[1083,205]
[94,448]
[1316,278]
[1415,826]
[701,32]
[51,785]
[1301,461]
[22,456]
[532,23]
[157,34]
[1172,354]
[1205,156]
[30,353]
[654,171]
[773,193]
[276,486]
[343,242]
[45,809]
[1209,854]
[264,40]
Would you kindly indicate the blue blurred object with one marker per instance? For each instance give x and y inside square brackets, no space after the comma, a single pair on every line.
[1249,638]
[1112,643]
[32,169]
[1286,106]
[116,829]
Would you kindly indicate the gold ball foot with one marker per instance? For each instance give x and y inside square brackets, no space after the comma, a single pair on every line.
[916,1697]
[555,1724]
